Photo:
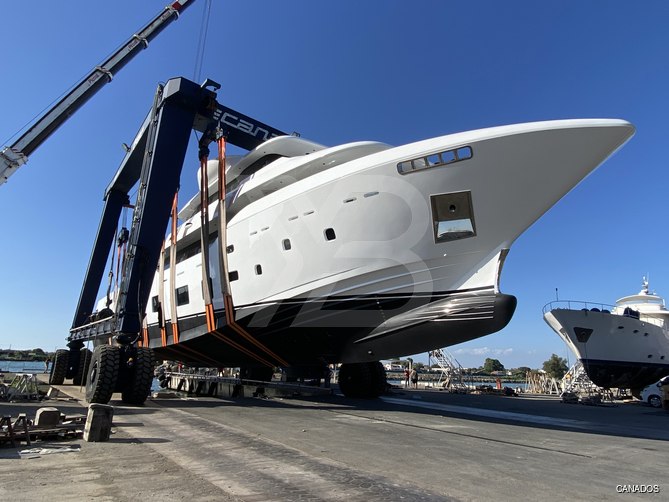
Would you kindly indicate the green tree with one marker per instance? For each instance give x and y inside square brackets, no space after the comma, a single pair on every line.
[491,365]
[556,366]
[522,370]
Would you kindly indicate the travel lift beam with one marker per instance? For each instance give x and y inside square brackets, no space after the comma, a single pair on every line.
[14,156]
[155,160]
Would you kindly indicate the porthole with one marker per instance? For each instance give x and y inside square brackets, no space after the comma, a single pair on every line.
[258,270]
[286,244]
[330,234]
[230,248]
[233,275]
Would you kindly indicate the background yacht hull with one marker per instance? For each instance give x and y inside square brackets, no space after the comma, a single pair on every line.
[616,351]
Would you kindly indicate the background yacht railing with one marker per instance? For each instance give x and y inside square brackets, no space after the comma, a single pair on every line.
[577,305]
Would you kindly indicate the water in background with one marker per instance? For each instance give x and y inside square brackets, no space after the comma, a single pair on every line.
[22,367]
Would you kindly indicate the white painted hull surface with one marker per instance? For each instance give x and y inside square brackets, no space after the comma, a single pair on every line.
[360,234]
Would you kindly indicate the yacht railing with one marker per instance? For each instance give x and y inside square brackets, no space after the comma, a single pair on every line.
[578,305]
[648,317]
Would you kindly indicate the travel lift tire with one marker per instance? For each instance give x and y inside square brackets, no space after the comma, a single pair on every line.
[102,374]
[59,367]
[125,369]
[362,380]
[140,377]
[85,356]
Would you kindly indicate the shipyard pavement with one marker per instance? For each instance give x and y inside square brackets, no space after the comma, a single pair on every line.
[408,445]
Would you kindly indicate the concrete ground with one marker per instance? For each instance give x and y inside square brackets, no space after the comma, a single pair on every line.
[408,445]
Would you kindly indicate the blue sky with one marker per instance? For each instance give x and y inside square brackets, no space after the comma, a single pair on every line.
[392,71]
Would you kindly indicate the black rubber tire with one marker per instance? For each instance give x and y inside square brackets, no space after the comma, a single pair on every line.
[139,383]
[59,367]
[362,380]
[85,357]
[655,401]
[102,374]
[380,383]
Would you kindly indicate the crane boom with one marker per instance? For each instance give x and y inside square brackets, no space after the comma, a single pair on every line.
[14,156]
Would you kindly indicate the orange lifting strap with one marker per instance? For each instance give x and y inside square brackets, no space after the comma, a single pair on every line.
[173,259]
[225,280]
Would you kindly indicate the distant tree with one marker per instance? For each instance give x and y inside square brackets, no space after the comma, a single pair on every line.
[39,351]
[418,365]
[491,365]
[522,370]
[556,366]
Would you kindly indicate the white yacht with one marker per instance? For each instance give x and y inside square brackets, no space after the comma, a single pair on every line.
[364,251]
[625,345]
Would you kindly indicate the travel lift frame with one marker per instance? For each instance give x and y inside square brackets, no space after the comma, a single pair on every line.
[155,160]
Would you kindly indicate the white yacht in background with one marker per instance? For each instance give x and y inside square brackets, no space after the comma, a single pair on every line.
[623,346]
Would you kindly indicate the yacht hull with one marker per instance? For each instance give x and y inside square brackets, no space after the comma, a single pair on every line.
[334,330]
[388,254]
[617,351]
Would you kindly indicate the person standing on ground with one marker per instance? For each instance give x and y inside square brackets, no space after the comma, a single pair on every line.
[407,373]
[414,378]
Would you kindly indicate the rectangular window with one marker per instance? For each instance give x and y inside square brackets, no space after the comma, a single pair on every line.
[452,216]
[448,157]
[182,296]
[435,160]
[154,304]
[464,153]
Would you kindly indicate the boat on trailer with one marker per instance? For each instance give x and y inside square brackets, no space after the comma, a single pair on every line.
[625,345]
[297,255]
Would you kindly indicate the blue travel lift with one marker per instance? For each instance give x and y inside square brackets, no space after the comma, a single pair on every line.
[154,160]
